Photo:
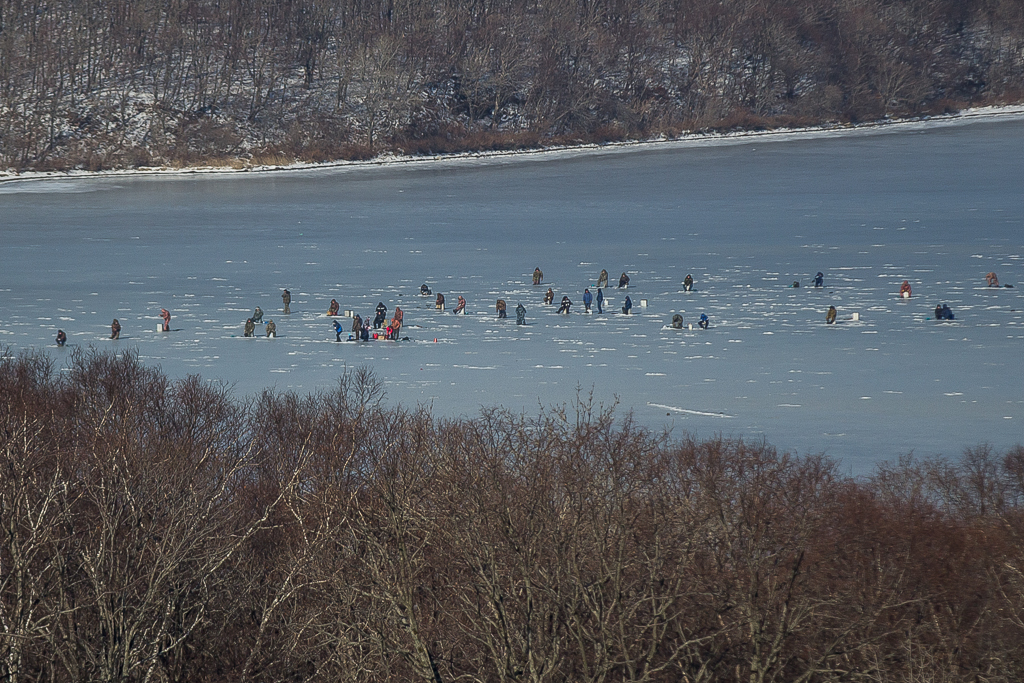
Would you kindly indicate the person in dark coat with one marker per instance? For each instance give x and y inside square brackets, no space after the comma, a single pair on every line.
[424,290]
[439,303]
[588,299]
[62,338]
[286,299]
[382,312]
[365,332]
[333,308]
[938,311]
[357,324]
[115,329]
[538,276]
[564,308]
[627,306]
[549,296]
[703,322]
[819,279]
[602,279]
[500,307]
[250,328]
[677,321]
[257,315]
[796,284]
[520,315]
[623,281]
[947,313]
[830,317]
[271,329]
[688,283]
[600,300]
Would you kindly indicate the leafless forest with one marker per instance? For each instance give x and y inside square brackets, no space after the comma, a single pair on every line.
[99,84]
[158,531]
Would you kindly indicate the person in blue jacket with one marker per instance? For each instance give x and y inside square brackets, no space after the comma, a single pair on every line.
[703,322]
[819,279]
[337,331]
[600,300]
[627,306]
[588,298]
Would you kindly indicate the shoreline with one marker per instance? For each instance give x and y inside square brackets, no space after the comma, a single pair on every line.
[965,117]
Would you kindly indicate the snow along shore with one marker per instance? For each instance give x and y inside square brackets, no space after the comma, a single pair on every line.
[979,114]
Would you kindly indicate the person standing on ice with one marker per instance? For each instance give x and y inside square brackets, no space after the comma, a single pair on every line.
[549,296]
[991,280]
[62,338]
[703,322]
[166,315]
[271,329]
[357,324]
[830,317]
[382,312]
[905,290]
[564,308]
[520,315]
[439,303]
[461,306]
[365,332]
[115,329]
[500,308]
[600,300]
[602,279]
[337,329]
[286,299]
[688,283]
[627,306]
[250,328]
[819,279]
[588,299]
[623,280]
[538,276]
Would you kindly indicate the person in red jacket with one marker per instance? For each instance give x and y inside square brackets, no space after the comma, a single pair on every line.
[166,315]
[905,289]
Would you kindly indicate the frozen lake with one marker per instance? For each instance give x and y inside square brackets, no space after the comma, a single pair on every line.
[939,206]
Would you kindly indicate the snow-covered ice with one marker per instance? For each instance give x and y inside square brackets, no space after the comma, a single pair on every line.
[939,206]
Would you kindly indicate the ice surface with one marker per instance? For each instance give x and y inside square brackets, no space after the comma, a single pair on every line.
[939,206]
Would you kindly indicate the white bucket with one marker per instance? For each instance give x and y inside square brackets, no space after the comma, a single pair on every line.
[643,303]
[348,314]
[159,327]
[856,316]
[905,295]
[690,326]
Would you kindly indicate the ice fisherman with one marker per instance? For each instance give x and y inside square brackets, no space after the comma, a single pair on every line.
[424,290]
[677,321]
[991,280]
[564,308]
[338,328]
[688,283]
[600,300]
[627,306]
[257,315]
[703,322]
[382,313]
[588,299]
[364,334]
[166,315]
[943,312]
[357,324]
[538,276]
[520,315]
[819,279]
[460,307]
[602,279]
[250,328]
[549,296]
[115,329]
[333,308]
[905,290]
[796,284]
[830,317]
[623,280]
[500,307]
[62,338]
[286,299]
[439,302]
[271,329]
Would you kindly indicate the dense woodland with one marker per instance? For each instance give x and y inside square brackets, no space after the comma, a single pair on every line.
[97,84]
[165,531]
